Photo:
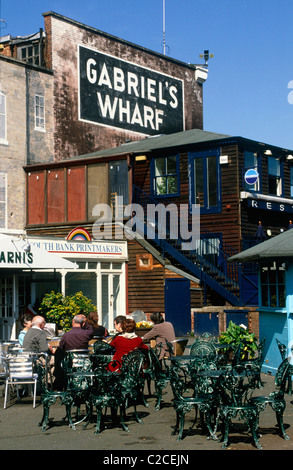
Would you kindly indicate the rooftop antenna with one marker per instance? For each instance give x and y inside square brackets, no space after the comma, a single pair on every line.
[164,28]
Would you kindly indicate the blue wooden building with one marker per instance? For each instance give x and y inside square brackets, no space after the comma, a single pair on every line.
[275,280]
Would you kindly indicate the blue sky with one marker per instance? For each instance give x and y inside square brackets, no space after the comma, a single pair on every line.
[248,91]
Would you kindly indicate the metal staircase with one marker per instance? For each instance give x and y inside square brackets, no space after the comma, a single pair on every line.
[208,262]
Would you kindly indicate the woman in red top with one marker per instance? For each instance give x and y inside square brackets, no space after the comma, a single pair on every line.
[126,342]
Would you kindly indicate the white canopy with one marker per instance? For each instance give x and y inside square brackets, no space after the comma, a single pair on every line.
[18,253]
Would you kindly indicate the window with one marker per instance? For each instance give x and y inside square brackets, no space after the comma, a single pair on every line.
[251,162]
[30,54]
[3,199]
[39,113]
[273,285]
[144,262]
[205,180]
[274,176]
[166,176]
[118,182]
[3,129]
[291,181]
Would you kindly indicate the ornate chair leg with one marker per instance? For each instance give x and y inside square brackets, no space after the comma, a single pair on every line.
[45,417]
[99,418]
[253,425]
[175,430]
[225,432]
[122,418]
[68,414]
[181,427]
[279,410]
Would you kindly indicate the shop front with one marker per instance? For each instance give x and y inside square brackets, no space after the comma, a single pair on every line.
[31,267]
[101,273]
[23,267]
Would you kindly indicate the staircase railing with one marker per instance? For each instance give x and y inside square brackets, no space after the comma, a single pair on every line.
[208,261]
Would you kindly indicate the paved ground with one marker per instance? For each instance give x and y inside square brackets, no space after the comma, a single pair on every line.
[19,431]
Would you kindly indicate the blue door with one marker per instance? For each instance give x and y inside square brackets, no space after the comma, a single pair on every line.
[177,305]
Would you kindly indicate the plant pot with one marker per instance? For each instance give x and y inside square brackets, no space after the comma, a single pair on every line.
[142,331]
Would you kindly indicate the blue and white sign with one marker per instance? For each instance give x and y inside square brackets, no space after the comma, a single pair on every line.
[251,176]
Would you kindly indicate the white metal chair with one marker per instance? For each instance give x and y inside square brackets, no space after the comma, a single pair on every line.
[20,371]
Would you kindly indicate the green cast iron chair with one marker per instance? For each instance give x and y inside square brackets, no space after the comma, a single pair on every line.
[237,385]
[185,401]
[49,397]
[115,390]
[276,399]
[284,354]
[158,372]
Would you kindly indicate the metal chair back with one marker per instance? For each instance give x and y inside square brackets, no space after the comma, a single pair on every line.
[20,371]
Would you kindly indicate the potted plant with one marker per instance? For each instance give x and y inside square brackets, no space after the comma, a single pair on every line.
[56,308]
[236,334]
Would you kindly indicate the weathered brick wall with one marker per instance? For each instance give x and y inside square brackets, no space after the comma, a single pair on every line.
[19,83]
[73,137]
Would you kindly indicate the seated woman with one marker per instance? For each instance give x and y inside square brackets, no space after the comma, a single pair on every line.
[92,321]
[27,324]
[161,331]
[125,342]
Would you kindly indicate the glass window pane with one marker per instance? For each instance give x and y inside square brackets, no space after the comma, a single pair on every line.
[118,173]
[105,301]
[2,103]
[198,181]
[161,186]
[264,295]
[172,185]
[212,189]
[117,266]
[160,166]
[282,296]
[82,281]
[105,265]
[171,165]
[116,295]
[274,166]
[2,126]
[92,265]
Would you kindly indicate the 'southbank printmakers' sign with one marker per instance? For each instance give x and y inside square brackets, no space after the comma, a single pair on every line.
[120,94]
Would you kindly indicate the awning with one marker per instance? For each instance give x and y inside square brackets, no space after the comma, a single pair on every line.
[18,253]
[278,247]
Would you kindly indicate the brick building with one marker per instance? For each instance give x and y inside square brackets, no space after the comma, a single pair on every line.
[107,90]
[68,90]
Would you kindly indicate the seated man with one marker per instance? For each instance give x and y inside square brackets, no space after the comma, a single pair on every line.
[36,338]
[77,337]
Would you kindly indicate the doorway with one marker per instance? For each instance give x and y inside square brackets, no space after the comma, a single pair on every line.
[177,305]
[15,295]
[111,299]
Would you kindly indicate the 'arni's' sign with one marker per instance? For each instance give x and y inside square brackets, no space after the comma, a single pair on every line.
[120,94]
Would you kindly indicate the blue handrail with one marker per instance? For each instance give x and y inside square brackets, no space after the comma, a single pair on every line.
[208,261]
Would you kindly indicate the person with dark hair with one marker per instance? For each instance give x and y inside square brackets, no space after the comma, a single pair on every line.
[125,342]
[27,324]
[117,323]
[161,331]
[92,322]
